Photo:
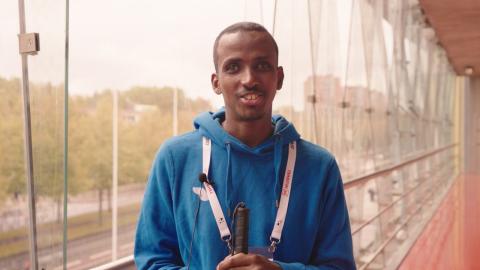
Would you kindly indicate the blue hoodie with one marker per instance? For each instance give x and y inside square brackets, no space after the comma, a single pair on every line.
[316,233]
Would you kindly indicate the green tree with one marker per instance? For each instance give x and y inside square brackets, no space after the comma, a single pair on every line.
[47,114]
[97,155]
[12,168]
[89,138]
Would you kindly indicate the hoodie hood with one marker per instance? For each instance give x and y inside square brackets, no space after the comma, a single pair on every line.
[284,132]
[208,124]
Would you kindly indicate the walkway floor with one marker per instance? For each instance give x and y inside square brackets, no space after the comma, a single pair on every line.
[452,238]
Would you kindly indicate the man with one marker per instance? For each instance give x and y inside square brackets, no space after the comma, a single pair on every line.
[246,156]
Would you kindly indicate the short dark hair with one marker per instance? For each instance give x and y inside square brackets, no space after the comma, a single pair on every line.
[238,27]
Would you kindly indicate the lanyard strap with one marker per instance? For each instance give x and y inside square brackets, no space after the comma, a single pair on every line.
[284,199]
[212,196]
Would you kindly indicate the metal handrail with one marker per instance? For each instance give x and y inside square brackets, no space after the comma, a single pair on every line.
[364,178]
[390,205]
[371,219]
[403,224]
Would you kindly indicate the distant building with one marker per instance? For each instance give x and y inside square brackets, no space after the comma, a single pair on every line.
[133,112]
[329,91]
[337,115]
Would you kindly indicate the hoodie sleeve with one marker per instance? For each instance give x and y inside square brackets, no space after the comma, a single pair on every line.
[333,247]
[156,245]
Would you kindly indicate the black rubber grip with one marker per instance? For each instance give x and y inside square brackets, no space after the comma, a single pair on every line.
[241,231]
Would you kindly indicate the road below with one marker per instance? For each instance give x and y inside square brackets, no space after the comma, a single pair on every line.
[83,253]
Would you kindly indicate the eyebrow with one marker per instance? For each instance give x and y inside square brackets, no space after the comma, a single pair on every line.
[238,59]
[262,58]
[234,59]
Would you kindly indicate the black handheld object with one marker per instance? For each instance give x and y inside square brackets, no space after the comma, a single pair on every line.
[203,179]
[240,242]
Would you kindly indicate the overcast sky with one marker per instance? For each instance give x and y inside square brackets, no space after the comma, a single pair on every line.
[117,44]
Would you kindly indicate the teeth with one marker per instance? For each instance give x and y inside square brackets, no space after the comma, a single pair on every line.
[251,97]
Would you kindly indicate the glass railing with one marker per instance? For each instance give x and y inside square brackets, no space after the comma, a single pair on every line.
[396,203]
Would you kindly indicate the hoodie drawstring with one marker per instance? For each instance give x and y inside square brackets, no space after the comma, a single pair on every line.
[277,161]
[228,180]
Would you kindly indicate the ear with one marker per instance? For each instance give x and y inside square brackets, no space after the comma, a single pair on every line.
[215,86]
[280,77]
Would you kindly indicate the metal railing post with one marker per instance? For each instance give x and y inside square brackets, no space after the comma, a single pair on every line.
[29,43]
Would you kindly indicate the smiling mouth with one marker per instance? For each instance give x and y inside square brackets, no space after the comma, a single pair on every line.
[251,97]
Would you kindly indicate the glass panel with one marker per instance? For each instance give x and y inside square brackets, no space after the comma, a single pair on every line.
[160,66]
[292,35]
[46,90]
[358,138]
[46,74]
[13,200]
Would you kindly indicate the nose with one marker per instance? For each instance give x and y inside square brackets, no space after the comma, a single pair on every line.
[249,79]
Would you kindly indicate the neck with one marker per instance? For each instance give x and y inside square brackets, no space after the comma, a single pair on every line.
[251,133]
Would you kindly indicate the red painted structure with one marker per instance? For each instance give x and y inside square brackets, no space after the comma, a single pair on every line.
[451,240]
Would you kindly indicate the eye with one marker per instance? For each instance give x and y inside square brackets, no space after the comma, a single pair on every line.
[264,66]
[231,67]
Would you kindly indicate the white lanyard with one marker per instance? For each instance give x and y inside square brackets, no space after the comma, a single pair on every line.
[285,197]
[212,196]
[282,209]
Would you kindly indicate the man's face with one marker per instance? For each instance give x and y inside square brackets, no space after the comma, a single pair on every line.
[248,76]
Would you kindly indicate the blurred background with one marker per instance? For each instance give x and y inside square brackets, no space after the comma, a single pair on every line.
[372,81]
